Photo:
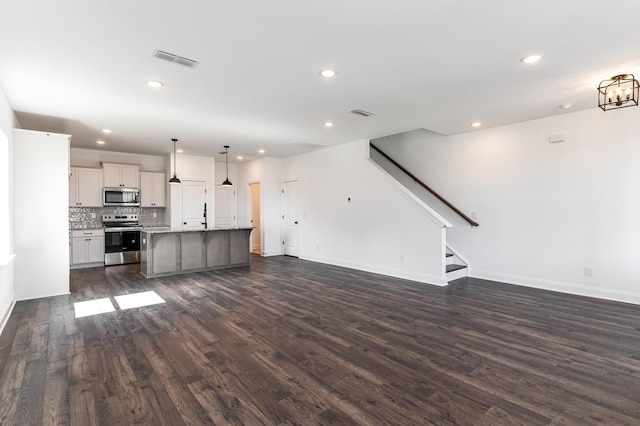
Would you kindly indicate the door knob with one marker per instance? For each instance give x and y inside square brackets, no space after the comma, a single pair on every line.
[184,223]
[296,222]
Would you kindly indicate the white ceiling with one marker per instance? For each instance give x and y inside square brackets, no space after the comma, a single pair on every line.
[77,66]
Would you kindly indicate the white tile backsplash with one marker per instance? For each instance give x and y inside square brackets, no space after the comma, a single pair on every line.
[91,217]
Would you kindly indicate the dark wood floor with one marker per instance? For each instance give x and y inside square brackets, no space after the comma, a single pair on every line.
[288,342]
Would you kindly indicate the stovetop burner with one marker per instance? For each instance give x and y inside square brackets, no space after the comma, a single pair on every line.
[118,222]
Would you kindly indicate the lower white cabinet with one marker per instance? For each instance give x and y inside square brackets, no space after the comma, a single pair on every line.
[87,246]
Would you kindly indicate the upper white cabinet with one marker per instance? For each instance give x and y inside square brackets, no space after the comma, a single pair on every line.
[85,187]
[152,189]
[125,175]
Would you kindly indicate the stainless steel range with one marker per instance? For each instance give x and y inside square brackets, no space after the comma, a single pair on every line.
[121,239]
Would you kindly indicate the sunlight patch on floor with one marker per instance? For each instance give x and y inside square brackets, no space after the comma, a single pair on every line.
[127,301]
[93,307]
[138,300]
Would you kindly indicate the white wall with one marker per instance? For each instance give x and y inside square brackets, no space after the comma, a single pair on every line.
[271,207]
[380,230]
[546,211]
[41,214]
[265,171]
[7,290]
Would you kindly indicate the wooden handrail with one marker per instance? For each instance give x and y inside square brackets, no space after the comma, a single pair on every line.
[422,184]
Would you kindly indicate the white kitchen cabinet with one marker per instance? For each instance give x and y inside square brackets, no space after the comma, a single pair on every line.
[87,246]
[85,187]
[124,175]
[152,189]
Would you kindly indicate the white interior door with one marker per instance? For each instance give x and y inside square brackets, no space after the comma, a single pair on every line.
[290,230]
[255,217]
[194,195]
[225,214]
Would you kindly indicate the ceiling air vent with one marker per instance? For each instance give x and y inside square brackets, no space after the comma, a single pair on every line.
[160,54]
[361,112]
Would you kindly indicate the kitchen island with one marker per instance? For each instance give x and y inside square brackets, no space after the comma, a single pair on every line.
[164,251]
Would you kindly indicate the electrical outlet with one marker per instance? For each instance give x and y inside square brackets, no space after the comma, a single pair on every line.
[317,246]
[155,214]
[588,271]
[402,258]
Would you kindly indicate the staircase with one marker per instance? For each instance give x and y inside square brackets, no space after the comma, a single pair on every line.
[456,267]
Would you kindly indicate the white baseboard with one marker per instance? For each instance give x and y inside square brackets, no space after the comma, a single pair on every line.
[396,273]
[5,311]
[562,287]
[271,253]
[42,296]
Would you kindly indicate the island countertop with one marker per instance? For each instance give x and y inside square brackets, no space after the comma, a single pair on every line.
[166,251]
[168,230]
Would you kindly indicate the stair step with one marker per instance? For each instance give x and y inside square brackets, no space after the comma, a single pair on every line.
[451,268]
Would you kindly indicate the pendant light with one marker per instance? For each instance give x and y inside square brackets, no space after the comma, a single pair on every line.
[174,179]
[226,182]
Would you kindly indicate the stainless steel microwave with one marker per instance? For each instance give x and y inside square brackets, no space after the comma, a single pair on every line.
[121,197]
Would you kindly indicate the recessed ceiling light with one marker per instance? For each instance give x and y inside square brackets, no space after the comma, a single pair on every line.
[566,106]
[179,151]
[531,59]
[100,142]
[328,73]
[261,151]
[239,157]
[476,124]
[155,84]
[328,124]
[107,131]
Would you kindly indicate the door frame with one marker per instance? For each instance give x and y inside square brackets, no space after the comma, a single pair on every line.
[282,224]
[260,228]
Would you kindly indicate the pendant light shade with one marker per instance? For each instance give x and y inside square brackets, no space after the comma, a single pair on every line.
[226,182]
[174,179]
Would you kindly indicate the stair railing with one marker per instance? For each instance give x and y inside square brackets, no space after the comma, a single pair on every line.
[422,184]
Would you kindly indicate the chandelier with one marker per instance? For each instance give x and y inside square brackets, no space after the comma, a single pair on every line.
[620,91]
